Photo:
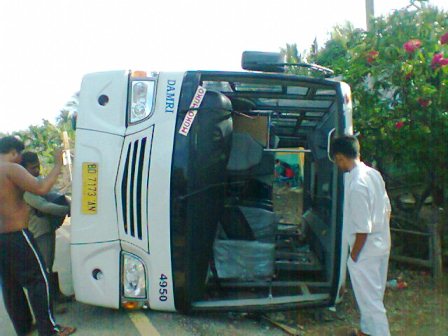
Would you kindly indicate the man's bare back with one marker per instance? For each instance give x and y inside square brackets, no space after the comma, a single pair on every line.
[14,181]
[13,209]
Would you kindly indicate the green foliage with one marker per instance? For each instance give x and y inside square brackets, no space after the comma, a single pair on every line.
[400,97]
[45,138]
[42,139]
[291,53]
[64,120]
[293,56]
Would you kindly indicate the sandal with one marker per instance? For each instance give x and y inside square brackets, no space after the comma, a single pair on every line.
[357,332]
[65,331]
[32,329]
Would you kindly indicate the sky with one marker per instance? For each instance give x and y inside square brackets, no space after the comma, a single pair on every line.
[46,46]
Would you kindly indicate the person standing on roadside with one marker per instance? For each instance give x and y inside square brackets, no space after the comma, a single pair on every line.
[21,264]
[366,228]
[43,215]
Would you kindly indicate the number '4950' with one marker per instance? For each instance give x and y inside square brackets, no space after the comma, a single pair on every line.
[163,290]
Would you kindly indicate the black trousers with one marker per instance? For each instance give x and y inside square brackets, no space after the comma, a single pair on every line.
[21,266]
[46,244]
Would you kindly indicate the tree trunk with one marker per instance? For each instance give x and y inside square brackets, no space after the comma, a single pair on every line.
[436,243]
[422,198]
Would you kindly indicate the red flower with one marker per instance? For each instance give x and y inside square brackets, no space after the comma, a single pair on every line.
[399,124]
[424,102]
[438,61]
[372,56]
[412,45]
[409,75]
[444,38]
[436,58]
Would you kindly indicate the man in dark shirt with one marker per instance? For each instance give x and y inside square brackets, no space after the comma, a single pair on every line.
[21,264]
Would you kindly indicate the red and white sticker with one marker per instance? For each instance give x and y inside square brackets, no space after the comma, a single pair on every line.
[191,114]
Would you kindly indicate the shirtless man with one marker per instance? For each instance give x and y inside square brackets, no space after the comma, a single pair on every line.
[21,265]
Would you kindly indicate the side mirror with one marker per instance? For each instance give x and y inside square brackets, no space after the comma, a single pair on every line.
[276,62]
[263,61]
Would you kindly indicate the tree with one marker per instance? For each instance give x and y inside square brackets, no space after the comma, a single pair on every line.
[65,119]
[292,56]
[42,139]
[399,80]
[335,52]
[398,72]
[45,138]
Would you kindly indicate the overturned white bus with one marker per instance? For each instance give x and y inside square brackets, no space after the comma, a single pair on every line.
[177,204]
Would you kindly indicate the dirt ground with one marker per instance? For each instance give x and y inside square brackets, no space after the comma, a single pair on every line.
[421,309]
[288,204]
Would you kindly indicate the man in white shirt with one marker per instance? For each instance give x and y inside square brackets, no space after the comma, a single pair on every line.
[366,228]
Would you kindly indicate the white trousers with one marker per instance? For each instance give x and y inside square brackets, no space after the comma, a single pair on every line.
[368,277]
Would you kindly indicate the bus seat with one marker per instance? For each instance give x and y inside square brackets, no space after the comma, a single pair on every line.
[245,154]
[244,260]
[247,159]
[206,150]
[249,223]
[262,222]
[235,225]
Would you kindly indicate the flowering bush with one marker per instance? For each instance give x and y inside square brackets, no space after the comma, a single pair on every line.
[438,61]
[372,56]
[412,45]
[399,77]
[444,38]
[399,124]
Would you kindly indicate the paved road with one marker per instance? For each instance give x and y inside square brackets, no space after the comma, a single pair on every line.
[94,321]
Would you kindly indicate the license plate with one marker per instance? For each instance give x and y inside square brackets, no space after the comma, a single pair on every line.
[89,188]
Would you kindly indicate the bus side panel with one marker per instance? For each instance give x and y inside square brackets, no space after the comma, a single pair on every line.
[346,127]
[100,225]
[100,114]
[198,190]
[179,187]
[91,287]
[159,195]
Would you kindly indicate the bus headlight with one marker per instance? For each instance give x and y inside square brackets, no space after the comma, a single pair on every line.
[141,100]
[133,277]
